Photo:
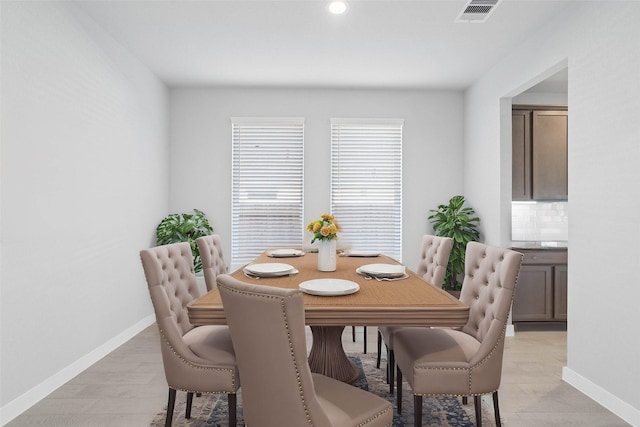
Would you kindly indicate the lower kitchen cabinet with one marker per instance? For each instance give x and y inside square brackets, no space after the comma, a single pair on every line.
[541,292]
[560,292]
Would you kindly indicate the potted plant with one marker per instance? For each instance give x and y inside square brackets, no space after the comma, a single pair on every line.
[459,223]
[184,227]
[325,231]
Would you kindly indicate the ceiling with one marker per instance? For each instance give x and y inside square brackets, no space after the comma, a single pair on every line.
[298,43]
[557,83]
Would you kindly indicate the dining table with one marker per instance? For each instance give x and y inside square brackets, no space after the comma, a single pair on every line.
[399,301]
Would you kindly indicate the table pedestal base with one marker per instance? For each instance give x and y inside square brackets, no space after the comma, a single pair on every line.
[327,356]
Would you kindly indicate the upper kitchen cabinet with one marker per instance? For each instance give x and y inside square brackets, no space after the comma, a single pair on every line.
[521,146]
[539,146]
[549,145]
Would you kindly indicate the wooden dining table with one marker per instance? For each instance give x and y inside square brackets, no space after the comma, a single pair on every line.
[410,301]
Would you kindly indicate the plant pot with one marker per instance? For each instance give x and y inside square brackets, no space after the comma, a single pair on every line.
[327,255]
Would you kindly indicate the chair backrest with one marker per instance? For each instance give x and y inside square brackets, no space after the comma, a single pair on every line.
[267,329]
[213,264]
[434,258]
[489,284]
[172,284]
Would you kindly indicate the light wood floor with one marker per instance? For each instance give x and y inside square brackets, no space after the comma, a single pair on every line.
[127,388]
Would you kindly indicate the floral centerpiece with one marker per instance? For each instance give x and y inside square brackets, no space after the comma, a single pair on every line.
[325,231]
[324,228]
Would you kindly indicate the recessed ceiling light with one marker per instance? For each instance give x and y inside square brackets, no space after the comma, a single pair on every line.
[337,7]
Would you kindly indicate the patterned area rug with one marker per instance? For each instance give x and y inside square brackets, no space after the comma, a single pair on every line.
[211,410]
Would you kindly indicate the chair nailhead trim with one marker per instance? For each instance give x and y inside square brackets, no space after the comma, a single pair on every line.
[470,369]
[295,363]
[193,365]
[453,394]
[481,362]
[374,417]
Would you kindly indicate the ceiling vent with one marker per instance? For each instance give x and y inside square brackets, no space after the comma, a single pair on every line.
[477,10]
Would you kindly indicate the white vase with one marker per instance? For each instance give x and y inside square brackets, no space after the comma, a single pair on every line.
[327,255]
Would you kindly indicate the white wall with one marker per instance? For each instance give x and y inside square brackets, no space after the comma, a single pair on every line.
[84,183]
[600,43]
[200,156]
[541,98]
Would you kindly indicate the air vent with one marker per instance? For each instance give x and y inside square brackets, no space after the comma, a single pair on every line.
[477,10]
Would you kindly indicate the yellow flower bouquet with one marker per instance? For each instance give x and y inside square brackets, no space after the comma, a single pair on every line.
[324,228]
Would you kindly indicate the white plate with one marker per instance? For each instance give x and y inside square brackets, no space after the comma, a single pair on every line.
[362,253]
[382,270]
[284,253]
[329,287]
[269,269]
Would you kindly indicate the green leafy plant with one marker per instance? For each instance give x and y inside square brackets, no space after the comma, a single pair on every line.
[459,223]
[176,228]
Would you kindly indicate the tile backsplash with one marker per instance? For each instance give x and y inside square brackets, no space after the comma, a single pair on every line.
[540,221]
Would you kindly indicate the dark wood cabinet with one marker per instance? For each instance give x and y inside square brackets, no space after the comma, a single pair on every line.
[539,153]
[541,293]
[521,147]
[549,146]
[534,294]
[560,292]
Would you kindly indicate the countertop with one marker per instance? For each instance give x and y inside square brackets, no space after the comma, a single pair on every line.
[557,246]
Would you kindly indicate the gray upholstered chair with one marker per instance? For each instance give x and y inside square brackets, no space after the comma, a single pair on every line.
[465,361]
[210,248]
[196,360]
[278,388]
[432,266]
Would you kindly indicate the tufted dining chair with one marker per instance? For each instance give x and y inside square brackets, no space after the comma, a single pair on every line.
[432,267]
[465,361]
[278,388]
[213,264]
[196,360]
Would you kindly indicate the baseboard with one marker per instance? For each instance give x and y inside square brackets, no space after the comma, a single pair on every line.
[613,403]
[20,404]
[511,331]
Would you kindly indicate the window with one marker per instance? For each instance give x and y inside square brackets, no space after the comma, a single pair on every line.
[366,184]
[267,181]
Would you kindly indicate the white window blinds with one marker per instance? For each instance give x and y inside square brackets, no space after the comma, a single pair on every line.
[366,184]
[267,180]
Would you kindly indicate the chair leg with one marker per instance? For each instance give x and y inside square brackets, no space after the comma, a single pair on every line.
[399,400]
[496,409]
[465,400]
[379,350]
[187,412]
[170,405]
[417,410]
[353,333]
[231,398]
[477,400]
[365,339]
[392,366]
[388,359]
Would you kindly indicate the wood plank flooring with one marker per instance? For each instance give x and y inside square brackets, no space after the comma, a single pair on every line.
[127,387]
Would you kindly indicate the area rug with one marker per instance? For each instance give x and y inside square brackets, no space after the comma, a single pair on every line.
[211,410]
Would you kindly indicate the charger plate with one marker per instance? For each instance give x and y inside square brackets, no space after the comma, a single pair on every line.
[329,287]
[382,270]
[269,269]
[284,253]
[364,254]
